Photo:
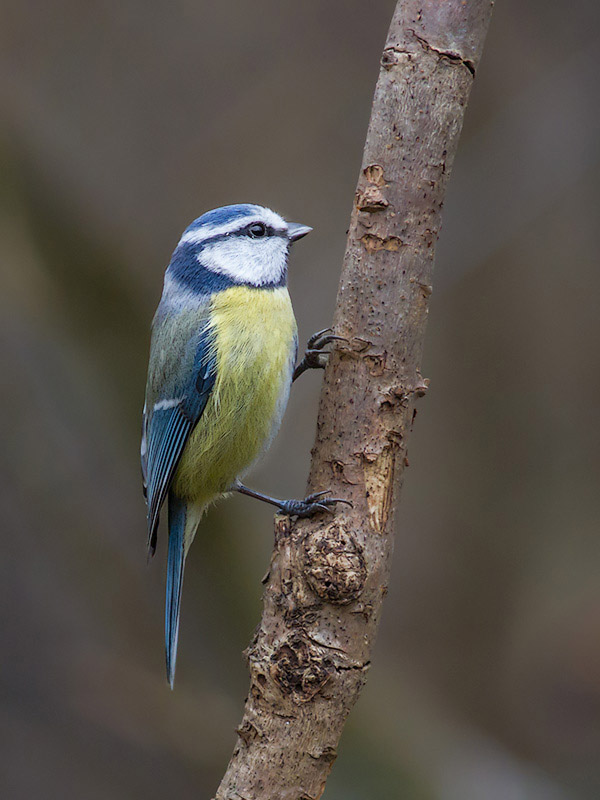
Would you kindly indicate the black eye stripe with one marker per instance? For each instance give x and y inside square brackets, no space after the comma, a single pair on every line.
[267,230]
[243,232]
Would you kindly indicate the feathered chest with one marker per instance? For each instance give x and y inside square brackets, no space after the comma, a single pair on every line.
[254,334]
[252,331]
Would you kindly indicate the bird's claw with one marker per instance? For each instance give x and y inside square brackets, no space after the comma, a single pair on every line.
[321,339]
[316,356]
[312,504]
[315,359]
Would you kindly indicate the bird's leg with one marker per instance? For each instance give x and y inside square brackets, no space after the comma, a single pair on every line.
[315,356]
[296,508]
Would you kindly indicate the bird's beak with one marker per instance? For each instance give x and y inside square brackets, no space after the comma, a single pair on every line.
[297,231]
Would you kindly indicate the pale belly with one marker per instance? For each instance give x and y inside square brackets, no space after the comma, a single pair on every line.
[255,343]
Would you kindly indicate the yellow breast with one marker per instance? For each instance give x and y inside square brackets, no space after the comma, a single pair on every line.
[255,339]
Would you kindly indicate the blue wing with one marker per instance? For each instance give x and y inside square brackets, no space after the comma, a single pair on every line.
[167,428]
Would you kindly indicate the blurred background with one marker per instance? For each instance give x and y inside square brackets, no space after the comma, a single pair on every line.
[122,122]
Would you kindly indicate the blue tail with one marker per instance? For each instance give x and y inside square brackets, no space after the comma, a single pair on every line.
[175,565]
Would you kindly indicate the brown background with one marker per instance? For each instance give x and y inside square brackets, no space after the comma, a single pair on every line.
[122,122]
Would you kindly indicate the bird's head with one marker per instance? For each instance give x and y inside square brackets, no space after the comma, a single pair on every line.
[240,245]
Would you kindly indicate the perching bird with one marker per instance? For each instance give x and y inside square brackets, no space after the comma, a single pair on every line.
[222,356]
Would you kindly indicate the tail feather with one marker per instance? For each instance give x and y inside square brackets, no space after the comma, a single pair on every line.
[183,523]
[175,566]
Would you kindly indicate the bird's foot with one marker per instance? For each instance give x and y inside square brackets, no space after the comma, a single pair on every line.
[315,356]
[312,504]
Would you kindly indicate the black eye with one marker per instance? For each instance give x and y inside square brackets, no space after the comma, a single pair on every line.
[256,230]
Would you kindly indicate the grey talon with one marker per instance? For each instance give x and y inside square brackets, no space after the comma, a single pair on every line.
[316,336]
[325,508]
[312,504]
[315,495]
[315,357]
[320,343]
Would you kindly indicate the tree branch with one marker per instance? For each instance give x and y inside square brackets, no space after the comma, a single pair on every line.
[323,598]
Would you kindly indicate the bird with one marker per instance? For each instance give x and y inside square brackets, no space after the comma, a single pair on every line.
[223,354]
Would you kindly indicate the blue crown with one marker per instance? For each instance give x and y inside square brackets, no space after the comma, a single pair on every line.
[220,216]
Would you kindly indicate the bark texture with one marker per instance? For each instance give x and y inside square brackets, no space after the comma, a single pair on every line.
[328,577]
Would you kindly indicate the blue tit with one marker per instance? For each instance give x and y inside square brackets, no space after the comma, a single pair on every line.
[224,344]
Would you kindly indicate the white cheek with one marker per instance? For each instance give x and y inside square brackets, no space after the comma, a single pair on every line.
[257,261]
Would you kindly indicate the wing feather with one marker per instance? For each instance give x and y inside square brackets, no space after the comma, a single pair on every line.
[168,425]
